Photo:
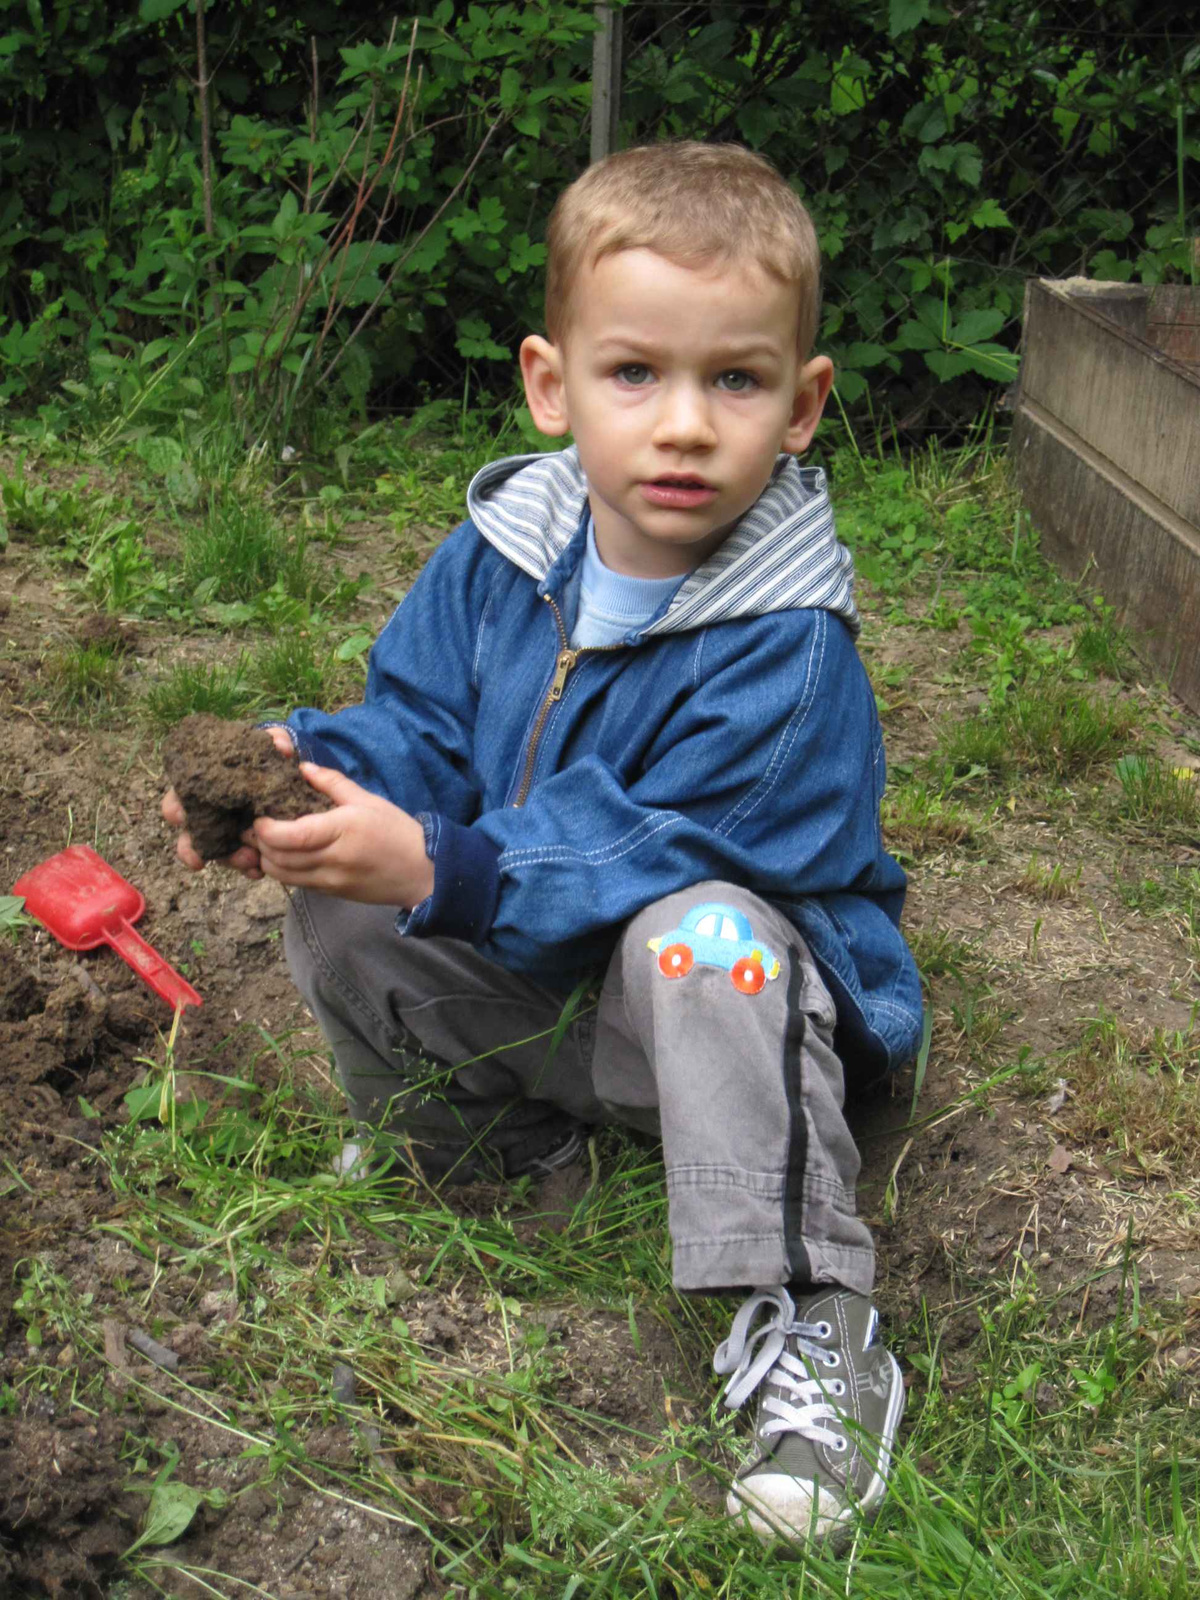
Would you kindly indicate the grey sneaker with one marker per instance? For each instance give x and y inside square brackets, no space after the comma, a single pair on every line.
[830,1399]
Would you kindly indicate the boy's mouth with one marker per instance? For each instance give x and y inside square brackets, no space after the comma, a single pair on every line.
[678,491]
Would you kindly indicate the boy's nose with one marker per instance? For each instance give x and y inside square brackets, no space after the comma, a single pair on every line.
[684,421]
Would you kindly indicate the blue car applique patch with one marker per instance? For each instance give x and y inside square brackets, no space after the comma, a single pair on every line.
[716,936]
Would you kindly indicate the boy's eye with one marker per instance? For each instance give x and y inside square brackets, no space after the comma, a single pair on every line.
[737,381]
[634,374]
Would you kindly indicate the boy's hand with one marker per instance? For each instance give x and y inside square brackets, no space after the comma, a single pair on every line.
[245,858]
[365,849]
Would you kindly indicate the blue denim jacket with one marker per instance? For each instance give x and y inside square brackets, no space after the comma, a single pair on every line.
[733,737]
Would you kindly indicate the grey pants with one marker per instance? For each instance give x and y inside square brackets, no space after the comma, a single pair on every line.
[714,1035]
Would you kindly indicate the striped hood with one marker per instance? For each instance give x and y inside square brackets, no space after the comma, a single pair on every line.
[783,555]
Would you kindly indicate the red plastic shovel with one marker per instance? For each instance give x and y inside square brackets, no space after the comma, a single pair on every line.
[85,903]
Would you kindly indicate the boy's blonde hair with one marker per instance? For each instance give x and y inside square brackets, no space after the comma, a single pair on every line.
[696,204]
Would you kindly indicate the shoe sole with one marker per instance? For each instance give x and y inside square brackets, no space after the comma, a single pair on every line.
[765,1520]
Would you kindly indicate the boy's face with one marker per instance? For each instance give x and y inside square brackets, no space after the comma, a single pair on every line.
[681,387]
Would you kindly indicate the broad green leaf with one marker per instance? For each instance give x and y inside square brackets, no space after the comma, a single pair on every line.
[156,10]
[991,214]
[491,213]
[968,165]
[1105,266]
[354,646]
[993,361]
[863,354]
[904,15]
[11,908]
[142,1101]
[947,364]
[286,216]
[170,1512]
[510,88]
[975,326]
[757,122]
[160,453]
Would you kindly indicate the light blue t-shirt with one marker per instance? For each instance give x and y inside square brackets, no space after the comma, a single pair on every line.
[608,605]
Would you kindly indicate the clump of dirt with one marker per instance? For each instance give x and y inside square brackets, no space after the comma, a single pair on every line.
[228,773]
[101,632]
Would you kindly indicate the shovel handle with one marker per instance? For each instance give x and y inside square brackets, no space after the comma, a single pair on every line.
[150,967]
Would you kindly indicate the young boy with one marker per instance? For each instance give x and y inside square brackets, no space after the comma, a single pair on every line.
[620,721]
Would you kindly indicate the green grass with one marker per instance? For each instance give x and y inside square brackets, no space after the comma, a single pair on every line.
[239,548]
[1175,895]
[1051,729]
[39,512]
[1137,1092]
[1054,1461]
[1158,796]
[190,687]
[84,679]
[919,819]
[296,668]
[1049,884]
[1101,646]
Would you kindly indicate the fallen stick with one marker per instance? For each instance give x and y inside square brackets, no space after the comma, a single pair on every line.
[152,1350]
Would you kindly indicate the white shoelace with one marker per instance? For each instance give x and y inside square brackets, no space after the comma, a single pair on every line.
[763,1356]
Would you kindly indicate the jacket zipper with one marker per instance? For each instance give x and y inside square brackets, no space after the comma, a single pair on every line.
[562,668]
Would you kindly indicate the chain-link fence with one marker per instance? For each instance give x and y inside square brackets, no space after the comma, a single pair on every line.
[946,158]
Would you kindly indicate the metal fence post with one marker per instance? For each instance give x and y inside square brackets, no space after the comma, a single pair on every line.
[606,81]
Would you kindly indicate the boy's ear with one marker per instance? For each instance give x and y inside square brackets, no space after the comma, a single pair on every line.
[545,392]
[812,390]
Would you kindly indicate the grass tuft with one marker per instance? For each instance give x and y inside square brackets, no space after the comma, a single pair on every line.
[1175,896]
[192,686]
[1050,729]
[294,669]
[1102,647]
[919,819]
[85,679]
[239,550]
[1139,1094]
[1049,884]
[1156,795]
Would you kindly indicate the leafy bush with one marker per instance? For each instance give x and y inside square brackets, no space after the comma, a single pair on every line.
[359,212]
[312,236]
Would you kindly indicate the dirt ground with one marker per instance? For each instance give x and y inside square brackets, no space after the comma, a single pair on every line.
[959,1202]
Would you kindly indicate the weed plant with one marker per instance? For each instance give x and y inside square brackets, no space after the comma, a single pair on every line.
[939,952]
[123,576]
[1049,884]
[39,512]
[1101,646]
[421,470]
[1176,895]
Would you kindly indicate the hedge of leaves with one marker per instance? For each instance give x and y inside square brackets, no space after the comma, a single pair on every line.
[366,214]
